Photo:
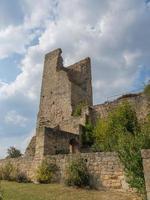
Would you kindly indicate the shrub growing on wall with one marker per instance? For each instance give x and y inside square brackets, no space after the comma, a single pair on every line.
[77,173]
[122,120]
[46,172]
[121,132]
[78,110]
[87,135]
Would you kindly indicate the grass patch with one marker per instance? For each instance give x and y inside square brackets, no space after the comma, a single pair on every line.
[29,191]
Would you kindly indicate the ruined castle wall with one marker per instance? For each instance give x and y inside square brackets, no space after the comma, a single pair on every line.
[30,150]
[80,77]
[57,141]
[62,91]
[24,164]
[55,100]
[139,102]
[105,168]
[72,125]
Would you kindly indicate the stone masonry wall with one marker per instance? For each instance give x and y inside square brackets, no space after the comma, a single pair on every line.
[30,150]
[58,141]
[63,88]
[55,100]
[139,102]
[81,88]
[24,164]
[105,169]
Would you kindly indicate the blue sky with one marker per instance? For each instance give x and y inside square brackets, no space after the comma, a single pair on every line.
[115,34]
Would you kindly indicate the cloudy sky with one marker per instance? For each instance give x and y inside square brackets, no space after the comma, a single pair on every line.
[114,33]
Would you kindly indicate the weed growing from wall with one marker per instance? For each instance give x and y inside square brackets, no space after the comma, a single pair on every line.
[78,109]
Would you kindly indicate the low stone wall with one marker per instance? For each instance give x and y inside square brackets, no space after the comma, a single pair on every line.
[24,164]
[139,101]
[105,168]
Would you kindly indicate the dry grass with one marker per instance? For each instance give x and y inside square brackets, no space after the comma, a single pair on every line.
[19,191]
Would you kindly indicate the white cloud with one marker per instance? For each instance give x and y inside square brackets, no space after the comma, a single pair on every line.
[14,40]
[12,117]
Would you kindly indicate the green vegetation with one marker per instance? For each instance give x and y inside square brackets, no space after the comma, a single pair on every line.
[77,173]
[121,132]
[10,173]
[21,191]
[87,135]
[122,120]
[78,110]
[62,151]
[147,90]
[1,194]
[21,178]
[46,172]
[12,152]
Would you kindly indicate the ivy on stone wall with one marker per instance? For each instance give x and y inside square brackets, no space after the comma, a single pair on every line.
[78,109]
[87,135]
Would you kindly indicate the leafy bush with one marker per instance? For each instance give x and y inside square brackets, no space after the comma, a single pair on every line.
[13,152]
[78,110]
[147,90]
[107,131]
[21,177]
[129,150]
[8,172]
[77,173]
[87,135]
[46,172]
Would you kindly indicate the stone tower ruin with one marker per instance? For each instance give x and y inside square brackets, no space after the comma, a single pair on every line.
[63,90]
[66,106]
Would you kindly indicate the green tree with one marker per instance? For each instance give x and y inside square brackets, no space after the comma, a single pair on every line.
[12,152]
